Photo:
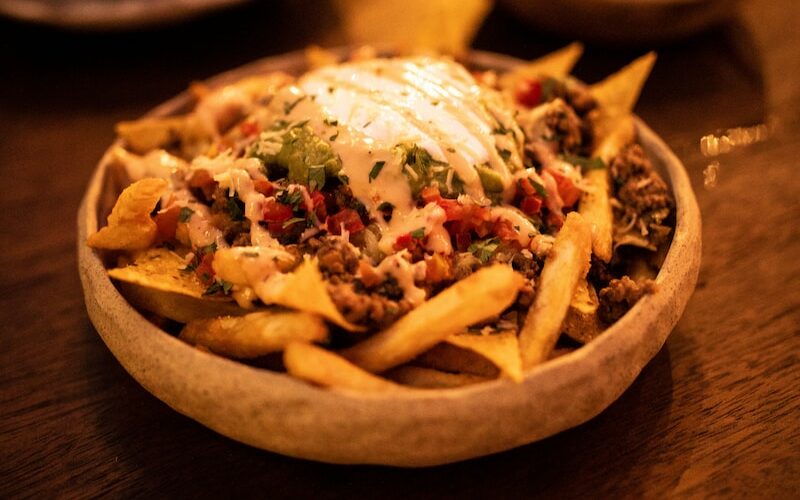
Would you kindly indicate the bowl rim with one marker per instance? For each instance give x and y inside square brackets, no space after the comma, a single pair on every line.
[169,368]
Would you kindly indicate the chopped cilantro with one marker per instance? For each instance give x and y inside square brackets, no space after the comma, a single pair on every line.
[219,286]
[583,162]
[185,214]
[367,124]
[209,249]
[376,170]
[316,177]
[484,249]
[293,220]
[418,233]
[233,209]
[289,106]
[343,179]
[294,198]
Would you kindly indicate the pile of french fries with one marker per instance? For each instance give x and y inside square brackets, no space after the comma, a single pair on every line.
[429,347]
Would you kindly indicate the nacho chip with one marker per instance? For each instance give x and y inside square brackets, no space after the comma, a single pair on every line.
[130,226]
[582,323]
[557,64]
[146,134]
[595,203]
[478,297]
[501,348]
[566,264]
[617,94]
[154,282]
[447,357]
[428,378]
[445,26]
[304,290]
[321,367]
[254,334]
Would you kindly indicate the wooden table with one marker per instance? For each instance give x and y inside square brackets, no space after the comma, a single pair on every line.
[717,412]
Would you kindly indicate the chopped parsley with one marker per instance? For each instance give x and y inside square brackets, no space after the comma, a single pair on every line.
[294,198]
[418,233]
[376,170]
[186,214]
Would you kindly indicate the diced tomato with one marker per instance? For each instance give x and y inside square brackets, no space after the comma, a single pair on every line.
[167,224]
[463,241]
[404,241]
[529,92]
[438,268]
[430,194]
[567,190]
[531,205]
[318,202]
[264,187]
[504,230]
[203,181]
[347,219]
[248,128]
[525,188]
[276,212]
[204,270]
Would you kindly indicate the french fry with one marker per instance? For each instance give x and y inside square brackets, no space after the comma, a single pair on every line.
[254,334]
[582,323]
[322,367]
[153,281]
[428,378]
[450,358]
[501,348]
[566,264]
[557,64]
[304,290]
[129,225]
[595,205]
[480,296]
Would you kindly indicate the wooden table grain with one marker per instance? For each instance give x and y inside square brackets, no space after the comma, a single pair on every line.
[716,413]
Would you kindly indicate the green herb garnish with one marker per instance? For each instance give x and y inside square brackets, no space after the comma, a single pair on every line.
[376,170]
[186,214]
[418,233]
[484,249]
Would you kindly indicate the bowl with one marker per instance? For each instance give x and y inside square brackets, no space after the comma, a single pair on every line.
[275,412]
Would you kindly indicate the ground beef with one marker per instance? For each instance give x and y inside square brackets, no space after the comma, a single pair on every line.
[642,200]
[231,221]
[369,309]
[337,259]
[620,295]
[566,128]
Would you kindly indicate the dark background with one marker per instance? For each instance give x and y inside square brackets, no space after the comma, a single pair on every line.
[715,413]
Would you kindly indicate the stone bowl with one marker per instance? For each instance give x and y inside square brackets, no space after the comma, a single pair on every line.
[275,412]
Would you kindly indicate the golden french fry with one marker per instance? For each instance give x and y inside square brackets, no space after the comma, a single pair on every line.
[440,25]
[153,281]
[304,290]
[595,205]
[254,334]
[450,358]
[428,378]
[617,94]
[566,264]
[478,297]
[129,225]
[322,367]
[501,348]
[556,64]
[582,323]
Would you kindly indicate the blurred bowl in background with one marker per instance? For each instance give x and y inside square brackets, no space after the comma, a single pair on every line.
[621,21]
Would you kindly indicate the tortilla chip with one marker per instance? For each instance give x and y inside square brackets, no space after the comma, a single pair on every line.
[303,290]
[428,378]
[501,348]
[447,357]
[445,26]
[617,94]
[154,282]
[130,226]
[557,64]
[255,334]
[582,323]
[146,134]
